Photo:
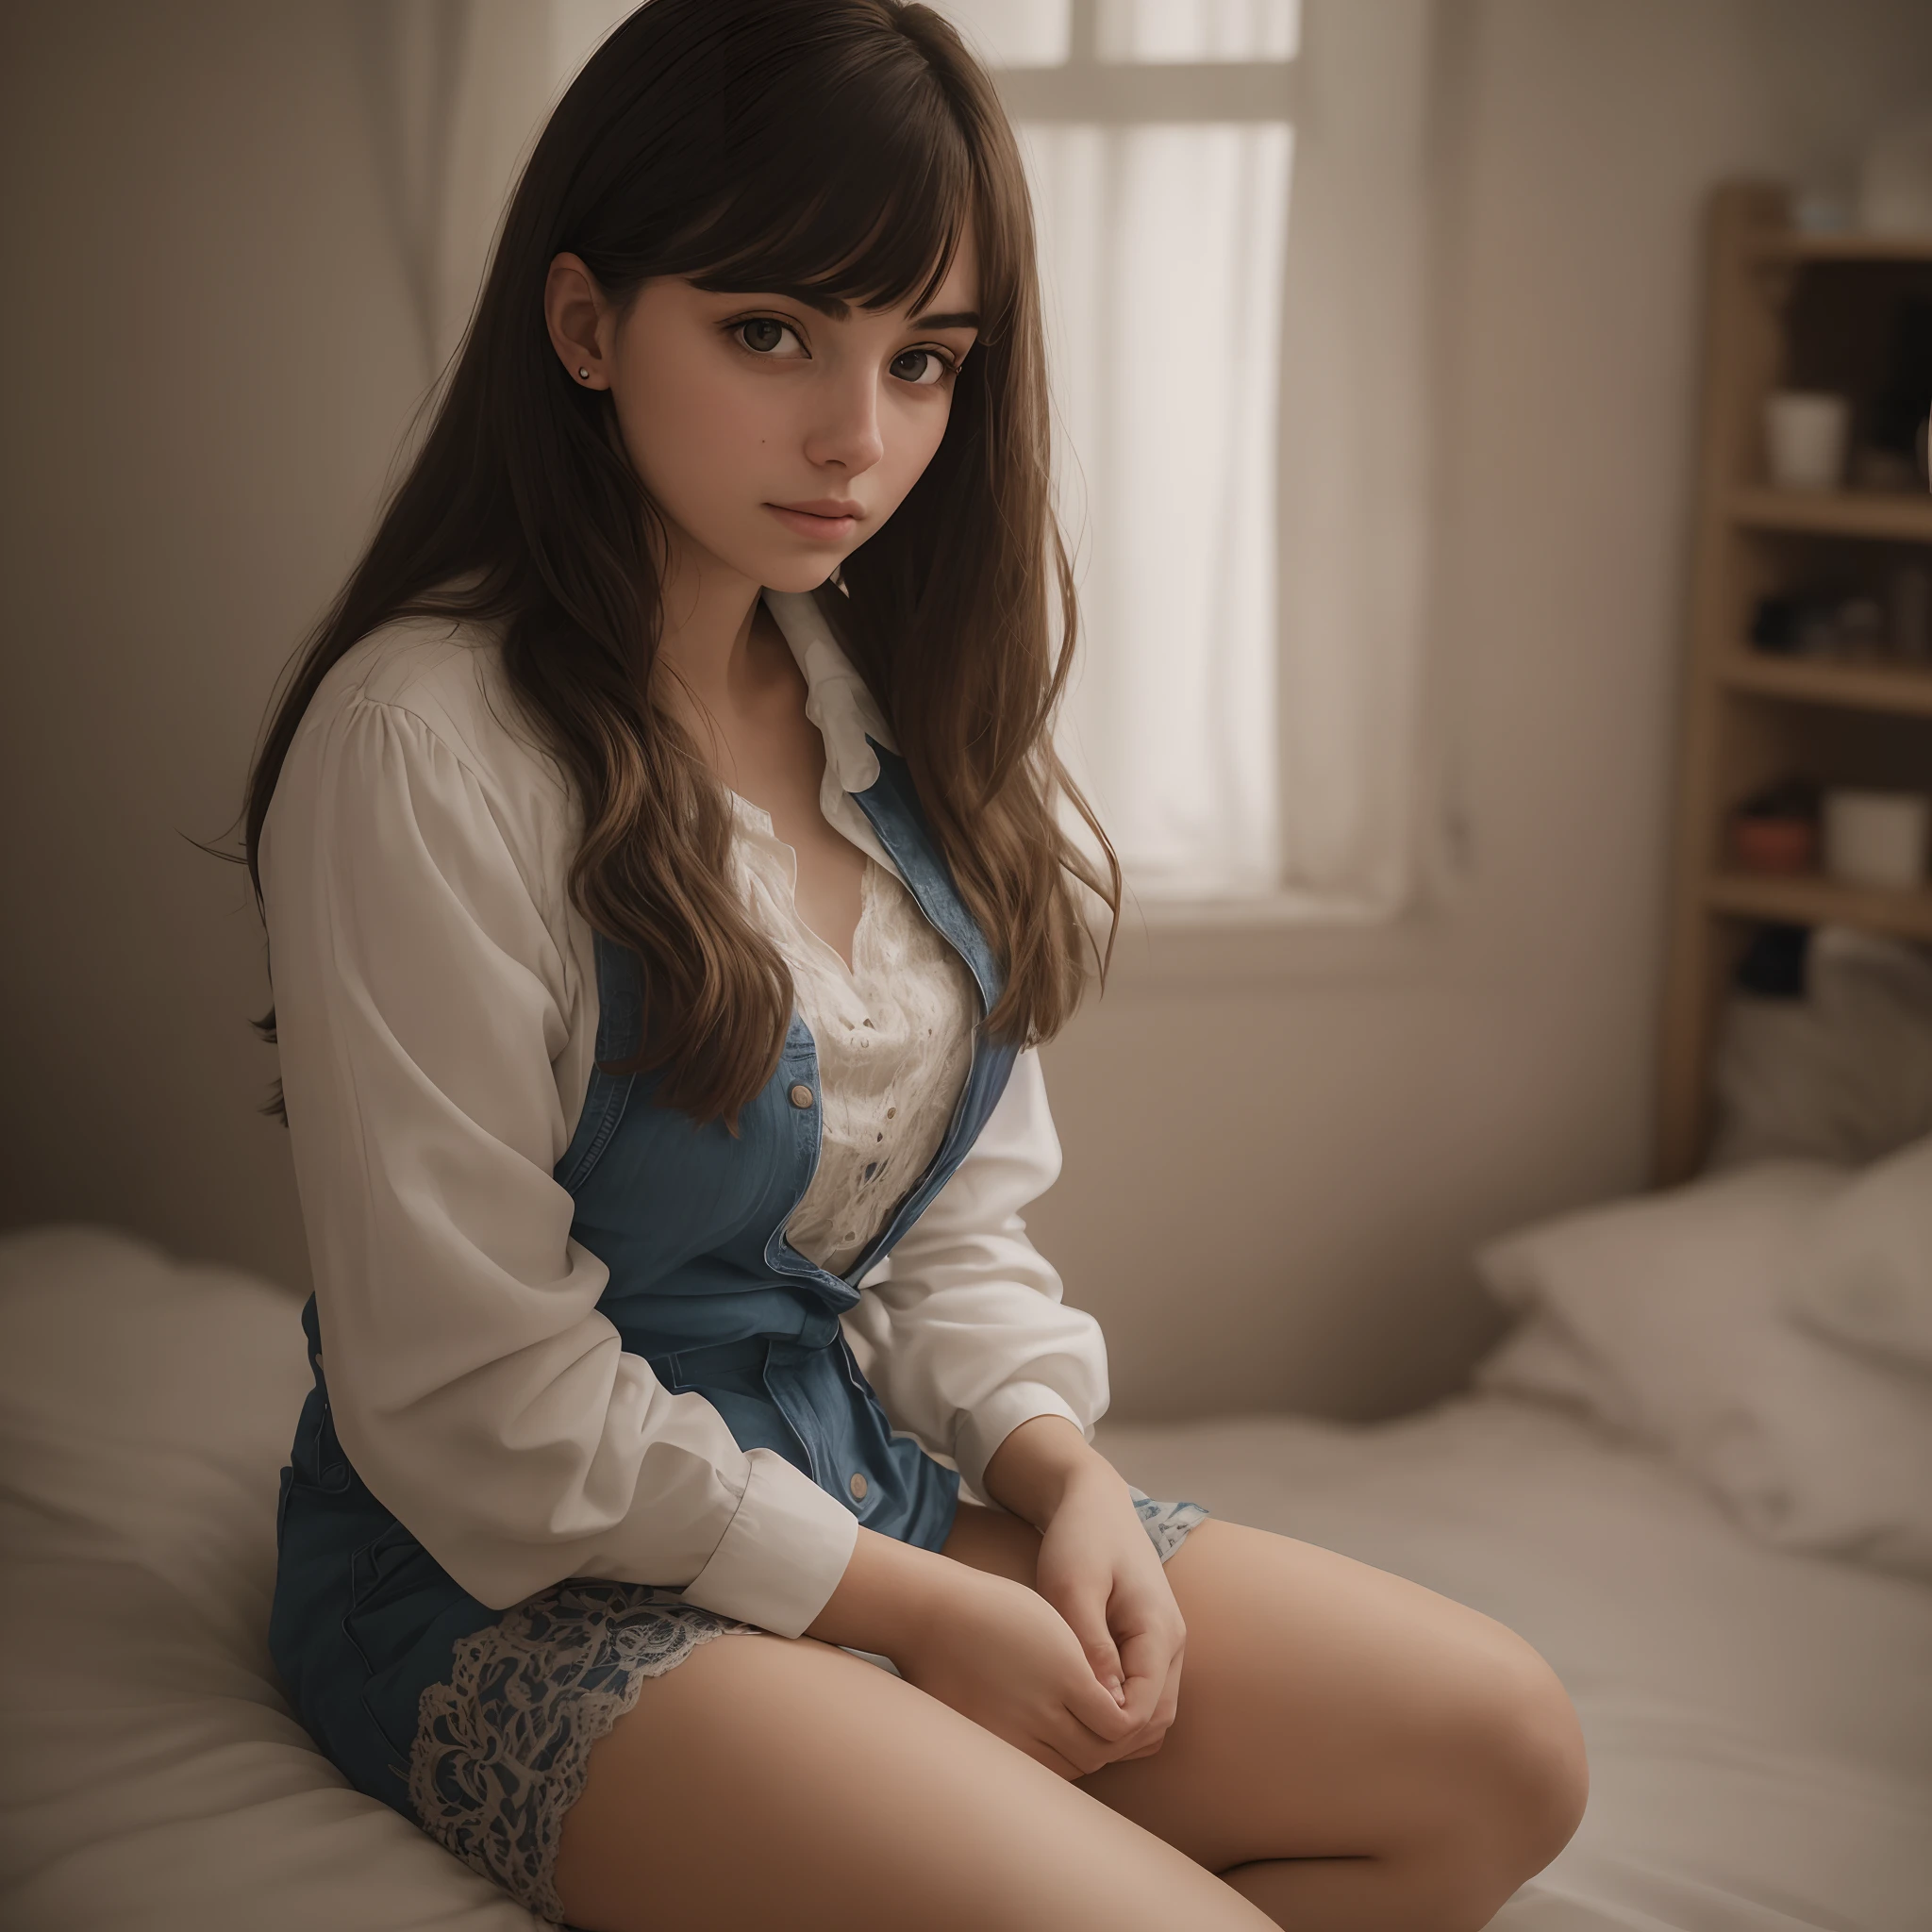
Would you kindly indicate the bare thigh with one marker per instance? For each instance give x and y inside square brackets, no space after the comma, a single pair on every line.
[772,1781]
[1331,1710]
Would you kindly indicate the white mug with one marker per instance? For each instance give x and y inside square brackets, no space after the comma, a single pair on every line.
[1876,838]
[1807,433]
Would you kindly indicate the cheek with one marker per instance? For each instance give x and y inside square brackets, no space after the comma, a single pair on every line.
[914,429]
[691,432]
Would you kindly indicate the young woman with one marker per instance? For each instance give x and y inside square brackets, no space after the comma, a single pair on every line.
[666,896]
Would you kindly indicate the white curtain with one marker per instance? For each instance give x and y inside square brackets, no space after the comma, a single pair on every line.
[1355,462]
[1240,375]
[1163,252]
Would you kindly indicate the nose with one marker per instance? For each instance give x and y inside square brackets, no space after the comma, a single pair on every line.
[845,432]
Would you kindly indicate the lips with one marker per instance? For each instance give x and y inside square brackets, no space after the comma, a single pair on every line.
[825,506]
[826,520]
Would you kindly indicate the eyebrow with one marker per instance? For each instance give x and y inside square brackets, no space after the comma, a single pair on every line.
[963,318]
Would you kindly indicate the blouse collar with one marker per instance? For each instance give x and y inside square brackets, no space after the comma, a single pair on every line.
[836,699]
[846,714]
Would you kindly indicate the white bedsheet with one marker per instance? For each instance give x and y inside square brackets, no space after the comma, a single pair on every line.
[1760,1724]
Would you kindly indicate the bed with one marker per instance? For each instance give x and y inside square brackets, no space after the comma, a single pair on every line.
[1760,1717]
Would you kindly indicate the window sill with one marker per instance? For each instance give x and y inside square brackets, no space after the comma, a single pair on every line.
[1255,912]
[1270,939]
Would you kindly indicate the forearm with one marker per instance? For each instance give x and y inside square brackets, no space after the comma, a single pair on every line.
[1033,1470]
[889,1593]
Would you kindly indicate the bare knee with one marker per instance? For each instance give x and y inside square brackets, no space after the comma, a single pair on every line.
[1521,1782]
[1541,1752]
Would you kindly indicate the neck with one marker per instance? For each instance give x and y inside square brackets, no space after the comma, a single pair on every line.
[704,652]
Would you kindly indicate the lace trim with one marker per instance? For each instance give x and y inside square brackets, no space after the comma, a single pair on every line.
[501,1749]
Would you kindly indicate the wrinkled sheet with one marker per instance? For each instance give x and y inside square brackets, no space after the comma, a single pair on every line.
[1760,1724]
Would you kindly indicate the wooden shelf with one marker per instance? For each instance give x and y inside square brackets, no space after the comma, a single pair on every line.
[1789,245]
[1885,517]
[1752,721]
[1811,900]
[1905,690]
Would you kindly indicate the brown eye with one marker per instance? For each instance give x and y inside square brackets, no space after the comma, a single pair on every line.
[763,336]
[920,367]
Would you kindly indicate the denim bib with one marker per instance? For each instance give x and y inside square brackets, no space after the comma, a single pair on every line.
[691,1221]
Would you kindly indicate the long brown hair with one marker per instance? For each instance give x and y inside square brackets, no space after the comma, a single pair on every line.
[834,150]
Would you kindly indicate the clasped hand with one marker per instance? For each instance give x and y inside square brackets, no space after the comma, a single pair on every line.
[1081,1672]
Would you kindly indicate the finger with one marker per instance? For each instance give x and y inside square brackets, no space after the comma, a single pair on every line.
[1081,1748]
[1044,1754]
[1148,1659]
[1085,1615]
[1094,1712]
[1149,1738]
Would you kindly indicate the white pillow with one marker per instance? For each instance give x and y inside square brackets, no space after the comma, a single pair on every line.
[154,1779]
[1864,1278]
[1665,1317]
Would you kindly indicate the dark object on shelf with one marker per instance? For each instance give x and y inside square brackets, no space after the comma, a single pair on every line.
[1774,962]
[1790,798]
[1820,624]
[1908,612]
[1900,407]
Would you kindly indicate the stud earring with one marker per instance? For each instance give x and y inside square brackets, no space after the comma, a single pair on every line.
[582,375]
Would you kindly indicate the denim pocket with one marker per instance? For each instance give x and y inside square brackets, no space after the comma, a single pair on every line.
[396,1590]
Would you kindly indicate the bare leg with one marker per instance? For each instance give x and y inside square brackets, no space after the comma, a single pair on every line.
[1352,1751]
[769,1781]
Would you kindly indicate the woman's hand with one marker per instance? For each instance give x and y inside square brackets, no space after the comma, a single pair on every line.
[994,1650]
[1099,1571]
[999,1654]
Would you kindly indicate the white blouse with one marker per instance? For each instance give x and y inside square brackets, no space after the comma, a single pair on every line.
[894,1039]
[437,1003]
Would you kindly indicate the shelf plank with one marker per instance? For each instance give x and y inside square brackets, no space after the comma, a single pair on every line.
[1810,900]
[1790,246]
[1902,689]
[1884,516]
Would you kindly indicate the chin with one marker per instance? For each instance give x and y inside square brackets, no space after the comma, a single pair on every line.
[796,572]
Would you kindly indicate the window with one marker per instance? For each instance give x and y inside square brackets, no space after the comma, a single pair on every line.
[1157,134]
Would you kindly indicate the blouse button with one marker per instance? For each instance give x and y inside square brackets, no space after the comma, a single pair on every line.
[801,1095]
[859,1486]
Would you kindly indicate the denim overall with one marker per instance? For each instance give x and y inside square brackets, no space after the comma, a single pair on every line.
[691,1223]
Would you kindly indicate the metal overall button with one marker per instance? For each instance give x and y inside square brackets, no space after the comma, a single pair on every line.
[859,1487]
[801,1095]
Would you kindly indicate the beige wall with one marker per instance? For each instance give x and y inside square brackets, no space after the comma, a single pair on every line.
[209,355]
[1280,1147]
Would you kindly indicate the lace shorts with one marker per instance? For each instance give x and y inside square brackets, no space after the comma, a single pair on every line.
[500,1750]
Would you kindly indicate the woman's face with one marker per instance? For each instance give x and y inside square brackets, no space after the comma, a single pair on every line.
[775,437]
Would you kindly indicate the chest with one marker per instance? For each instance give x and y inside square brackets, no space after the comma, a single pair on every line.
[680,1209]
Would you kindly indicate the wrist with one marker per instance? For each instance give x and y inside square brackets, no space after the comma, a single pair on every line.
[891,1593]
[1042,1463]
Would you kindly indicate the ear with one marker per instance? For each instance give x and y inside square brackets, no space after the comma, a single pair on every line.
[579,319]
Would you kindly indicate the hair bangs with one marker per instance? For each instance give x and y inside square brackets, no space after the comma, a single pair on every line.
[875,225]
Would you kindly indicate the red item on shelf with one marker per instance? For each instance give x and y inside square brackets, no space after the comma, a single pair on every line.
[1768,844]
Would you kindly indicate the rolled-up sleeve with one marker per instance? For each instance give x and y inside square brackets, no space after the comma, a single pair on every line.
[964,1333]
[421,1002]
